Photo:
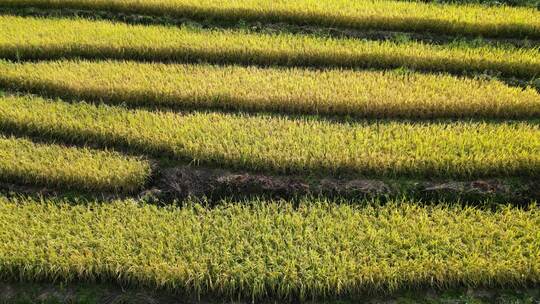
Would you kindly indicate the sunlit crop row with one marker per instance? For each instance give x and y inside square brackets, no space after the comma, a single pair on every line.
[34,38]
[385,15]
[261,248]
[289,145]
[334,92]
[25,162]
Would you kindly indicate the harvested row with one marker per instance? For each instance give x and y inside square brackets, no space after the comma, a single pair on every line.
[34,38]
[333,92]
[381,148]
[386,15]
[25,162]
[268,248]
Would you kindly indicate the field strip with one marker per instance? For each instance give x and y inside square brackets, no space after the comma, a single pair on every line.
[273,28]
[265,248]
[446,149]
[473,20]
[35,38]
[330,92]
[25,162]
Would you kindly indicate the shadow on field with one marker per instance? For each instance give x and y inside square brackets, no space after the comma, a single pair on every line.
[109,293]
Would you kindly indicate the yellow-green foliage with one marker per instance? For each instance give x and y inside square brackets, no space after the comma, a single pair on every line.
[270,248]
[290,145]
[34,38]
[22,161]
[341,92]
[386,15]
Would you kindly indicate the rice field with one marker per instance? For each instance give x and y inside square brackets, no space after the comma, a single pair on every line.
[28,38]
[113,133]
[266,248]
[283,145]
[362,94]
[29,163]
[474,20]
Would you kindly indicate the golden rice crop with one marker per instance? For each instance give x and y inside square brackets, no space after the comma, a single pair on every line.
[334,92]
[25,162]
[34,38]
[455,149]
[385,15]
[270,248]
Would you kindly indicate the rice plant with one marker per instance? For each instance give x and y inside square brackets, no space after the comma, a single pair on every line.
[333,92]
[270,248]
[35,38]
[386,15]
[26,163]
[285,145]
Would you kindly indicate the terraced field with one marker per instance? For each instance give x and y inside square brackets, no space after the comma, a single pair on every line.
[270,150]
